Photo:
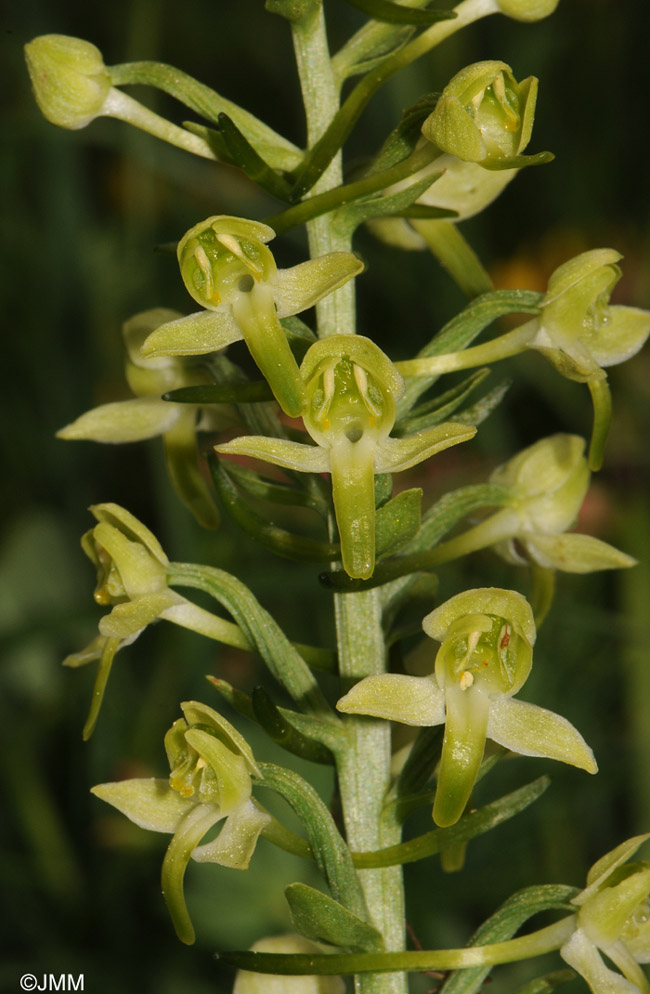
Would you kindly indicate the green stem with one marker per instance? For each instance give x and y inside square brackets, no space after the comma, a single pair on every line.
[602,400]
[456,255]
[510,344]
[545,940]
[125,108]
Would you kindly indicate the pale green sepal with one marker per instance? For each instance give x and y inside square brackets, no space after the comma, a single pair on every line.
[623,956]
[235,843]
[140,572]
[317,916]
[198,820]
[409,699]
[122,519]
[123,421]
[600,870]
[110,647]
[131,617]
[69,79]
[230,770]
[608,914]
[580,953]
[150,803]
[195,334]
[280,452]
[201,714]
[570,274]
[302,286]
[462,751]
[464,187]
[533,731]
[622,336]
[575,553]
[487,600]
[89,654]
[183,465]
[137,329]
[353,492]
[396,454]
[453,131]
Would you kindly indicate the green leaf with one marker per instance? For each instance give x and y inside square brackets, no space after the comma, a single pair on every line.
[421,761]
[331,852]
[403,139]
[441,407]
[282,658]
[503,924]
[221,393]
[281,731]
[317,916]
[465,327]
[280,541]
[397,521]
[393,13]
[348,218]
[468,827]
[244,155]
[483,408]
[237,699]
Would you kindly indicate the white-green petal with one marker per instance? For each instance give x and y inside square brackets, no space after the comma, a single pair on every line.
[150,803]
[302,286]
[236,841]
[625,332]
[123,421]
[581,954]
[280,452]
[533,731]
[396,454]
[195,334]
[575,553]
[412,700]
[131,617]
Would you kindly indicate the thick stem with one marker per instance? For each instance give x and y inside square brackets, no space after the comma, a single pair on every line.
[335,313]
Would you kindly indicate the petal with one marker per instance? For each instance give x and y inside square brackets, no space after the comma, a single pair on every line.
[123,421]
[140,571]
[608,863]
[397,454]
[413,700]
[110,647]
[150,803]
[621,955]
[236,841]
[462,751]
[191,829]
[575,553]
[353,491]
[533,731]
[304,285]
[195,334]
[622,336]
[131,617]
[583,956]
[280,452]
[200,714]
[126,522]
[497,601]
[230,769]
[139,327]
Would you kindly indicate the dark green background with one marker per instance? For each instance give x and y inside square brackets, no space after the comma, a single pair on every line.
[83,212]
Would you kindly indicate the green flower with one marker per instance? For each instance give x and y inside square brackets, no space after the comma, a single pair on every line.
[351,388]
[486,640]
[69,79]
[210,781]
[613,918]
[147,415]
[485,116]
[228,269]
[264,983]
[132,577]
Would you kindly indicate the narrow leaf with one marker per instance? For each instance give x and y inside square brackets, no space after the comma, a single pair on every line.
[281,731]
[397,521]
[441,407]
[317,916]
[244,155]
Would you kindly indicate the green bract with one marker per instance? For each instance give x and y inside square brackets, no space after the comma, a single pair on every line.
[228,269]
[132,577]
[69,79]
[351,388]
[247,982]
[484,115]
[613,918]
[486,638]
[211,766]
[147,415]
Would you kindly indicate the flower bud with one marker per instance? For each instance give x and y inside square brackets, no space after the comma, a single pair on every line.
[69,79]
[222,257]
[484,115]
[527,10]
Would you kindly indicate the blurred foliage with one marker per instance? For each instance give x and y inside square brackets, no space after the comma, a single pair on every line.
[84,211]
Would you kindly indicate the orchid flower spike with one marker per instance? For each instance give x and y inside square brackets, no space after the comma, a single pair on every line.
[132,577]
[212,767]
[228,269]
[613,918]
[351,388]
[486,641]
[147,415]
